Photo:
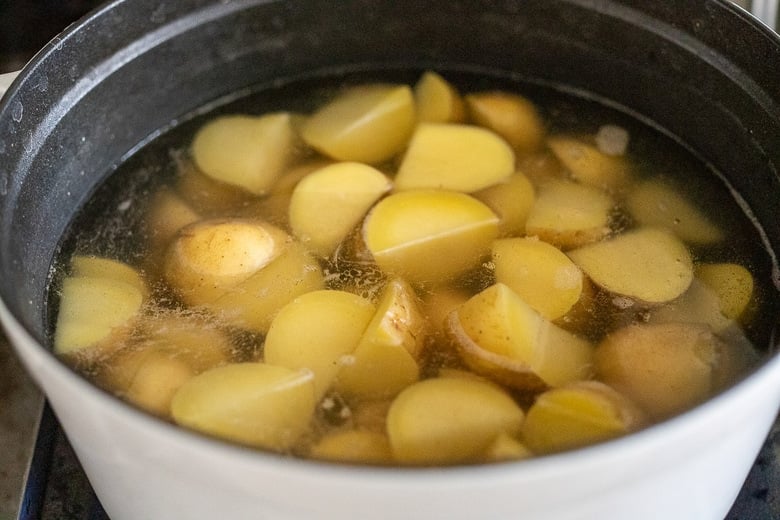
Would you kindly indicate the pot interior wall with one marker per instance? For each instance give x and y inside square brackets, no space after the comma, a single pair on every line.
[698,70]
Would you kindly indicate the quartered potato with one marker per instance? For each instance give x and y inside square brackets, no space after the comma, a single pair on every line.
[250,403]
[731,283]
[318,331]
[656,203]
[356,446]
[454,157]
[698,304]
[648,264]
[245,151]
[506,448]
[437,100]
[567,214]
[328,203]
[167,214]
[429,235]
[588,165]
[544,277]
[576,415]
[385,360]
[368,123]
[511,116]
[207,196]
[99,267]
[449,420]
[512,200]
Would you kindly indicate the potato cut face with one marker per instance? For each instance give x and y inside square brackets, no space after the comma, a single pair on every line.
[245,151]
[449,420]
[588,165]
[437,100]
[506,448]
[731,283]
[544,277]
[567,214]
[511,116]
[368,123]
[316,332]
[647,264]
[512,201]
[577,415]
[328,203]
[454,157]
[385,360]
[429,235]
[355,446]
[249,403]
[167,215]
[655,203]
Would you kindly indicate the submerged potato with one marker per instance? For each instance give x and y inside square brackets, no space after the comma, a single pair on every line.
[437,101]
[588,165]
[246,151]
[167,214]
[648,264]
[356,446]
[328,203]
[511,116]
[512,201]
[731,283]
[249,403]
[429,235]
[449,420]
[369,123]
[454,157]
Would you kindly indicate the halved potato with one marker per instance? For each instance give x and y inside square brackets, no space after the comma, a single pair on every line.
[648,264]
[167,214]
[245,151]
[731,283]
[429,235]
[367,123]
[449,420]
[100,267]
[356,446]
[512,201]
[511,116]
[454,157]
[588,165]
[437,100]
[250,403]
[567,214]
[328,203]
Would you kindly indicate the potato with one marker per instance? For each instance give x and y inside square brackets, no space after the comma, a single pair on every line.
[429,235]
[731,283]
[544,277]
[253,303]
[541,166]
[371,415]
[511,116]
[656,203]
[512,201]
[385,360]
[318,331]
[167,214]
[576,415]
[355,446]
[368,123]
[438,304]
[98,267]
[568,215]
[207,196]
[588,165]
[647,264]
[449,420]
[328,203]
[245,151]
[437,101]
[506,448]
[210,257]
[699,304]
[249,403]
[664,368]
[503,338]
[612,140]
[454,157]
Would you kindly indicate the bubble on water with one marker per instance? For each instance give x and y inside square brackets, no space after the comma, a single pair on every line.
[17,110]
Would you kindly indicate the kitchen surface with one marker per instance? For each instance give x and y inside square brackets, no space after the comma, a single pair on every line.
[57,488]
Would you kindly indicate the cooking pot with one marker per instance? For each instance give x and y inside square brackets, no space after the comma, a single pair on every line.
[702,70]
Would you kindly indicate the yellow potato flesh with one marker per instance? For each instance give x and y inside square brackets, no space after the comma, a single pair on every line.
[166,216]
[245,151]
[449,420]
[437,101]
[356,446]
[699,304]
[210,257]
[664,368]
[249,403]
[429,236]
[731,283]
[207,196]
[577,415]
[588,165]
[506,447]
[544,277]
[513,117]
[97,267]
[567,214]
[369,124]
[327,204]
[454,157]
[385,360]
[655,203]
[512,201]
[254,302]
[317,331]
[648,264]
